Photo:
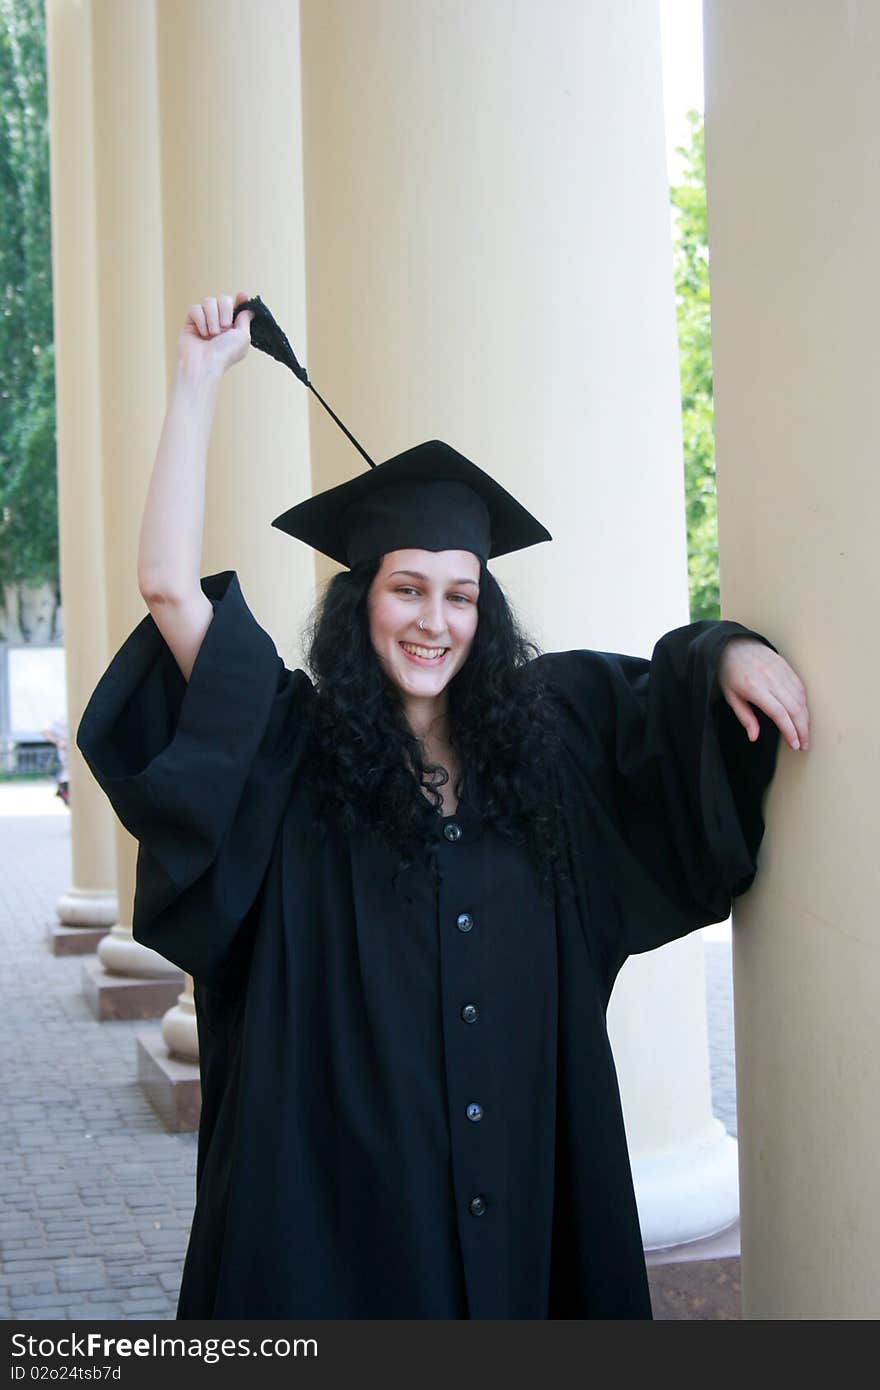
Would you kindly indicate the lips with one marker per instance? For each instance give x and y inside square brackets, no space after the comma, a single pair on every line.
[426,656]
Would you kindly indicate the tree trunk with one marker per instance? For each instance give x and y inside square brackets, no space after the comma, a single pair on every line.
[30,613]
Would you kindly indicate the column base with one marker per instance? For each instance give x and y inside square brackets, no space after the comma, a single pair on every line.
[124,996]
[722,1246]
[172,1087]
[87,907]
[688,1193]
[120,954]
[74,941]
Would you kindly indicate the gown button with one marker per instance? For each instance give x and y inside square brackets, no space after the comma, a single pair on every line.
[477,1205]
[464,921]
[452,831]
[474,1111]
[469,1013]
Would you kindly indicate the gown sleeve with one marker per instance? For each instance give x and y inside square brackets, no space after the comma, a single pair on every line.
[665,791]
[199,772]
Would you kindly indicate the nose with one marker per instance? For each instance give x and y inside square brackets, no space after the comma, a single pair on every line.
[431,617]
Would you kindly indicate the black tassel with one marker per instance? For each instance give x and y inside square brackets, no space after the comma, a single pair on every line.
[270,338]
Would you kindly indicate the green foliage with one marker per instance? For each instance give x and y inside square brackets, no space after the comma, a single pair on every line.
[28,488]
[30,533]
[691,262]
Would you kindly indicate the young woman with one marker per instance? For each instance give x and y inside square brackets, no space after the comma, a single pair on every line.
[405,886]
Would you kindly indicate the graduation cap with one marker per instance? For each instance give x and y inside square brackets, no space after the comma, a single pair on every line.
[429,497]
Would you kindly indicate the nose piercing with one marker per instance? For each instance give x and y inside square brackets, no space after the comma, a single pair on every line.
[422,624]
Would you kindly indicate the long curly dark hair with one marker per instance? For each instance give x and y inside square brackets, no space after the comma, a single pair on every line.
[368,764]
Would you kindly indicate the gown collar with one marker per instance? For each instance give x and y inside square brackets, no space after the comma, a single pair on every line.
[467,815]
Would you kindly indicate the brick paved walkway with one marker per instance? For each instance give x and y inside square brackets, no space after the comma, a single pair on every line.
[95,1197]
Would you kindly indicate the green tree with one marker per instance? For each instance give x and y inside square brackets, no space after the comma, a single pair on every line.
[691,263]
[28,478]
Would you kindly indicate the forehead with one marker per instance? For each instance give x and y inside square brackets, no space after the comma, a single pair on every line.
[435,564]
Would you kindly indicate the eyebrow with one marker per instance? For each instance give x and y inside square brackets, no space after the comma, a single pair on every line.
[416,574]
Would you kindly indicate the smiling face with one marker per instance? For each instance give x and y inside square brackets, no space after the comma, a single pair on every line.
[437,589]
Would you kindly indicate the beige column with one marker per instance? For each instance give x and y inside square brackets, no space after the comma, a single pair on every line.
[232,203]
[490,264]
[793,108]
[173,132]
[232,218]
[90,901]
[131,337]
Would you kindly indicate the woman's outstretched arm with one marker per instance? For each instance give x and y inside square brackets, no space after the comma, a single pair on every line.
[169,553]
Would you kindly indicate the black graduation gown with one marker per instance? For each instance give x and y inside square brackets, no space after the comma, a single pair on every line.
[409,1101]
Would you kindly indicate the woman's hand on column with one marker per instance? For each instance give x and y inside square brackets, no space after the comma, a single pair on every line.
[751,673]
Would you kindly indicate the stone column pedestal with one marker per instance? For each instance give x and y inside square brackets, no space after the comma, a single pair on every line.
[85,917]
[168,1064]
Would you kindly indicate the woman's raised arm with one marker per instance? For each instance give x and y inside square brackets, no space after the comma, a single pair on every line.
[169,553]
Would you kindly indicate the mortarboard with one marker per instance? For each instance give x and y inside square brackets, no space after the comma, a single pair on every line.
[430,497]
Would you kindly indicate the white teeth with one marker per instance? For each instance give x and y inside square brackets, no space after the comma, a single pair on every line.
[428,652]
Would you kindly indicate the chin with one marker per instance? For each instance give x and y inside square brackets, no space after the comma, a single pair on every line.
[421,682]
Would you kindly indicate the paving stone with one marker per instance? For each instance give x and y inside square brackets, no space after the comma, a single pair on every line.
[34,1249]
[38,1300]
[79,1283]
[40,1315]
[147,1306]
[94,1312]
[128,1279]
[20,1281]
[161,1239]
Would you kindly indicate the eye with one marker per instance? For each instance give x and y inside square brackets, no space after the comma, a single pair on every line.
[463,598]
[406,589]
